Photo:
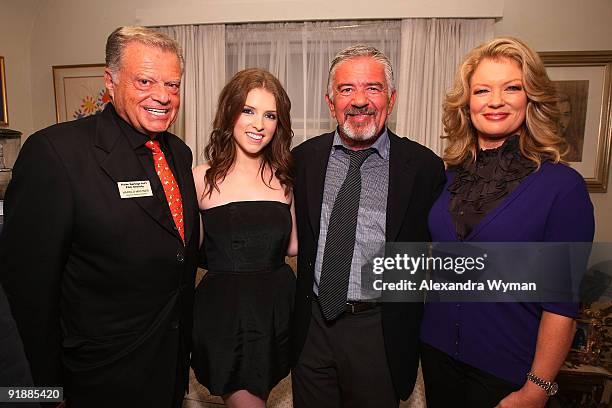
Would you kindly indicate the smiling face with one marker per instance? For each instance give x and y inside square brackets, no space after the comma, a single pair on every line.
[498,101]
[145,92]
[256,124]
[360,101]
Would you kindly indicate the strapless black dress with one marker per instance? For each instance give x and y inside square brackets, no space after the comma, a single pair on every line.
[243,305]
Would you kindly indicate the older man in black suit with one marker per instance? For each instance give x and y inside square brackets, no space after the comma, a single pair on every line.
[356,186]
[99,246]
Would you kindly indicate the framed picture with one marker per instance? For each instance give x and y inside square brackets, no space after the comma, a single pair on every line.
[584,332]
[3,107]
[79,91]
[584,83]
[591,338]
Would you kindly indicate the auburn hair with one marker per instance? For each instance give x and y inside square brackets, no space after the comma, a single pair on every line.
[221,149]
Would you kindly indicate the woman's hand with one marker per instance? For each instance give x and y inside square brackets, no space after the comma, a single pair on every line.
[554,339]
[530,396]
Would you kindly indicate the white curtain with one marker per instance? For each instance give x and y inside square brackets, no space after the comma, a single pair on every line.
[431,51]
[298,54]
[204,51]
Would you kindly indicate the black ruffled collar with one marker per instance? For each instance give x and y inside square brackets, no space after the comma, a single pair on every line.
[480,185]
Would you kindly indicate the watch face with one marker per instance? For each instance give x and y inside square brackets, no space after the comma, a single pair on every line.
[554,387]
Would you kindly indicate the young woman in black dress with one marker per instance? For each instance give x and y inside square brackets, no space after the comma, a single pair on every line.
[243,304]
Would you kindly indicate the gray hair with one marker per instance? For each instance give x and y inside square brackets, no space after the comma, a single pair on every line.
[355,51]
[122,36]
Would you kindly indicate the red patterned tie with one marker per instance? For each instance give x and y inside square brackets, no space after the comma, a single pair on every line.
[173,194]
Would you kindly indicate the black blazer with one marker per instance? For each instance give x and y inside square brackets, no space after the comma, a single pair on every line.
[416,178]
[14,367]
[101,287]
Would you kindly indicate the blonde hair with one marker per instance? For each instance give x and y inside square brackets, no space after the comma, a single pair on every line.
[539,137]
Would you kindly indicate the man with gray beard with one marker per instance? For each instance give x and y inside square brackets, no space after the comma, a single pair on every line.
[357,186]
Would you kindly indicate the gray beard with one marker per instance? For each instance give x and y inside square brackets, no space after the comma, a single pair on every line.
[363,134]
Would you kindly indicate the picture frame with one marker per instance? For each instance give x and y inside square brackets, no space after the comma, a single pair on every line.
[3,106]
[584,82]
[583,336]
[590,337]
[79,91]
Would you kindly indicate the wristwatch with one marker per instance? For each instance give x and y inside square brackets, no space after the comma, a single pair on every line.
[550,387]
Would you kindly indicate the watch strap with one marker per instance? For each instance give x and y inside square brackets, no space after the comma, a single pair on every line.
[550,387]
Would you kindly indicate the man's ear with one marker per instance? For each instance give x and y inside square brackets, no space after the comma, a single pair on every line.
[391,102]
[330,105]
[108,83]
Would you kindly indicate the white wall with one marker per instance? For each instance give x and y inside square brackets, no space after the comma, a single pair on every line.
[559,25]
[16,23]
[231,11]
[70,32]
[74,32]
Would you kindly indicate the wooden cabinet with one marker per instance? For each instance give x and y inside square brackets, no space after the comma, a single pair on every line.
[583,386]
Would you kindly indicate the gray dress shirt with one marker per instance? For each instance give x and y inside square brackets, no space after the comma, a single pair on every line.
[371,221]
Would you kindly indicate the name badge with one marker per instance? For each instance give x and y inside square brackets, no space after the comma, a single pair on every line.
[133,189]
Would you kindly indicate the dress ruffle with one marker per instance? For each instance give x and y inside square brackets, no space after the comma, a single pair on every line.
[479,186]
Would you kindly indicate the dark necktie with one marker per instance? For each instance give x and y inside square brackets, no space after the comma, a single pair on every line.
[340,241]
[173,194]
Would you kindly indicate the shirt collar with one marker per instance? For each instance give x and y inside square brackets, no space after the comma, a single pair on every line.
[381,145]
[135,138]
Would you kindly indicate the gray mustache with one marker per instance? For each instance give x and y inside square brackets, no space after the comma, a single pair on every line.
[358,111]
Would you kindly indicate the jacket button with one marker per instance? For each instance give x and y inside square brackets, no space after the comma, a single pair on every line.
[180,257]
[174,324]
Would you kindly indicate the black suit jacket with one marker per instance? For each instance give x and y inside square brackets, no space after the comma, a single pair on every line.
[416,178]
[101,287]
[14,368]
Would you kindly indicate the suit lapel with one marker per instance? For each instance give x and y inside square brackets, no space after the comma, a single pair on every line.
[401,182]
[184,179]
[117,159]
[316,169]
